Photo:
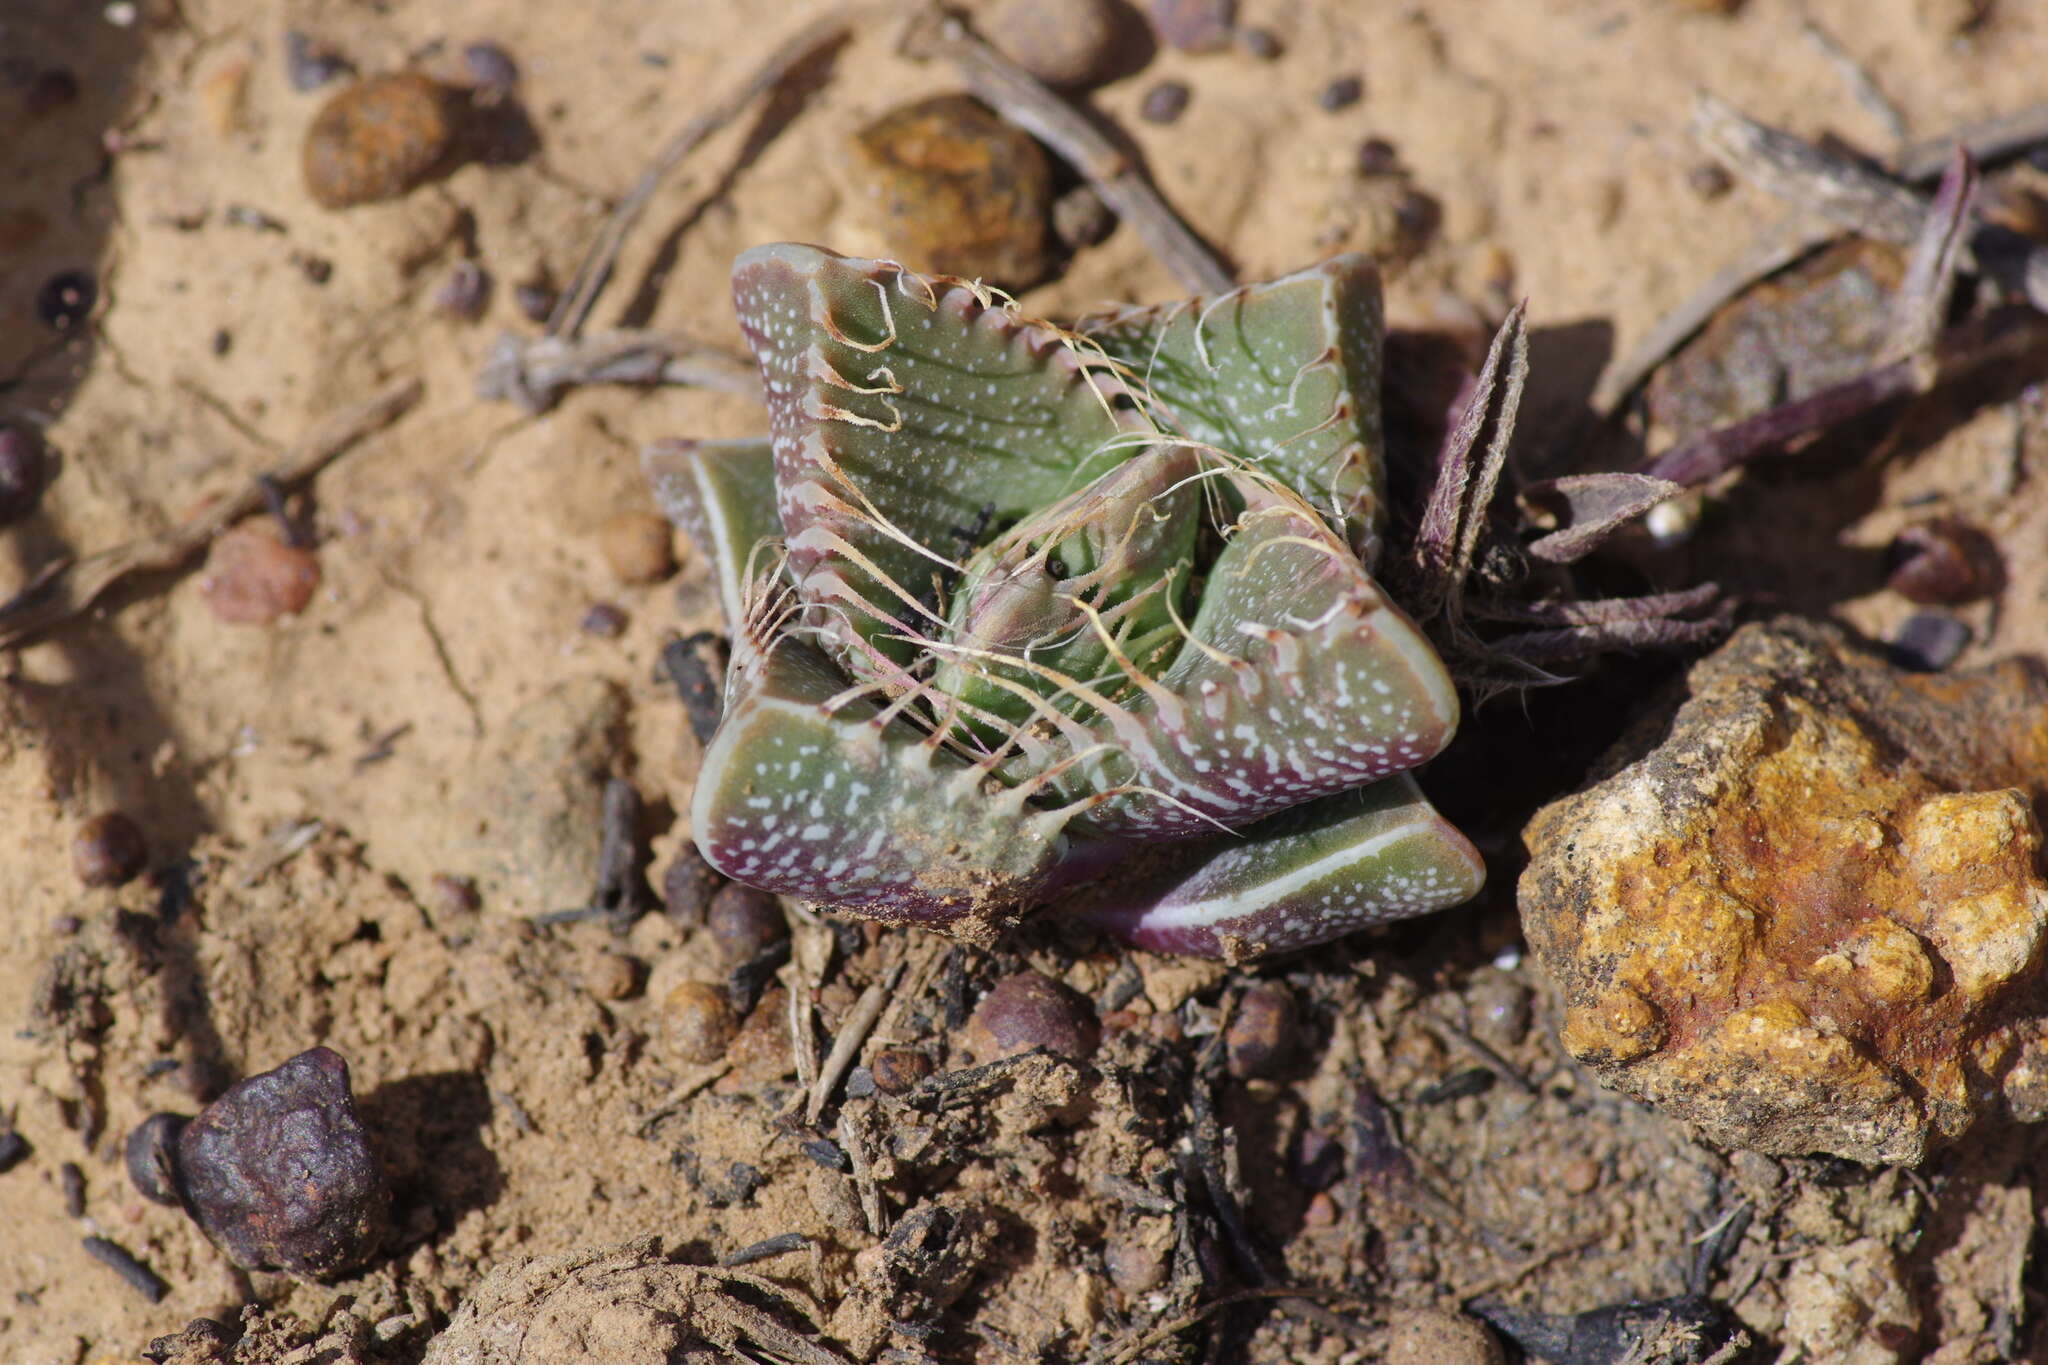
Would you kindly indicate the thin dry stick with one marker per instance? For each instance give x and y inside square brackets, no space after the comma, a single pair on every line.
[1862,85]
[534,372]
[853,1032]
[573,308]
[1021,99]
[66,589]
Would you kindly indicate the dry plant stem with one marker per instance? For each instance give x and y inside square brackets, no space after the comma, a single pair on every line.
[1923,298]
[535,371]
[2003,337]
[860,1022]
[1799,233]
[67,588]
[1862,85]
[1018,97]
[572,310]
[1845,192]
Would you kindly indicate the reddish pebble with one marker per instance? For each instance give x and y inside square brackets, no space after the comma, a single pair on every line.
[1940,563]
[108,850]
[453,895]
[1261,1038]
[613,976]
[252,577]
[744,921]
[1321,1212]
[697,1022]
[1028,1010]
[376,139]
[688,886]
[897,1069]
[639,547]
[1581,1176]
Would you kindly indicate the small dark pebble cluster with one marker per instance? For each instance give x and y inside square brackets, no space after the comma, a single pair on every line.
[278,1171]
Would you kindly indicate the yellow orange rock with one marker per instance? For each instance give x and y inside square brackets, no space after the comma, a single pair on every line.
[1812,919]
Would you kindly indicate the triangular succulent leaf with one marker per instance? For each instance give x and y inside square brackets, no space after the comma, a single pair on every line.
[907,416]
[809,792]
[1284,374]
[1302,877]
[722,495]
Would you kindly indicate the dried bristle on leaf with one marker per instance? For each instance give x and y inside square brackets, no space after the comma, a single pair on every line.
[1044,601]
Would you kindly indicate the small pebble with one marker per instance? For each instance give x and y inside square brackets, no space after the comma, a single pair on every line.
[122,1262]
[1029,1010]
[1136,1263]
[50,90]
[316,269]
[1080,218]
[223,97]
[534,297]
[465,293]
[13,1149]
[1928,642]
[1341,93]
[1500,1010]
[1261,43]
[1165,102]
[72,1179]
[376,139]
[1321,1211]
[639,547]
[252,578]
[1581,1176]
[454,895]
[860,1083]
[1433,1336]
[744,921]
[1263,1033]
[1709,179]
[613,976]
[897,1070]
[308,65]
[1068,44]
[66,299]
[151,1155]
[223,341]
[279,1171]
[1377,156]
[828,1154]
[688,886]
[696,1022]
[1195,25]
[605,620]
[108,850]
[23,469]
[490,66]
[1939,563]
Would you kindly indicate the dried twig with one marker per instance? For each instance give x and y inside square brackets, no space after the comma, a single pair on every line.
[853,1031]
[1862,85]
[1114,174]
[66,589]
[1869,202]
[572,310]
[535,371]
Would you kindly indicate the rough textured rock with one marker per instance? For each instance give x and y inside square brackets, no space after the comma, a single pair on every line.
[947,186]
[1810,918]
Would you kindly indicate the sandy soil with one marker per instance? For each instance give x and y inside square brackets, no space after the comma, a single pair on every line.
[506,1077]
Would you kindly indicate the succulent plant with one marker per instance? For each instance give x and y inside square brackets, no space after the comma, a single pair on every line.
[1084,616]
